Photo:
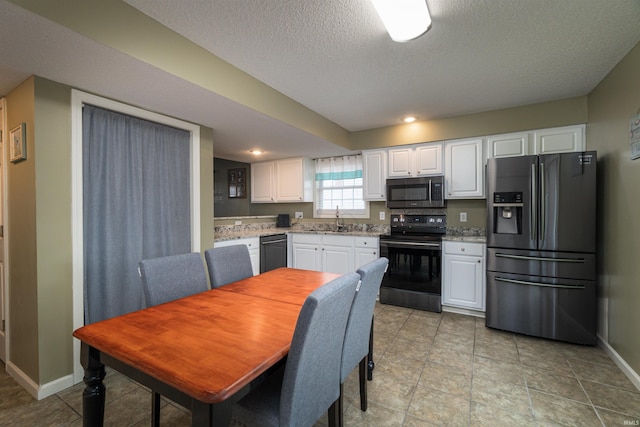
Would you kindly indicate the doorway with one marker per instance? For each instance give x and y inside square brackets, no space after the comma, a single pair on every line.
[78,99]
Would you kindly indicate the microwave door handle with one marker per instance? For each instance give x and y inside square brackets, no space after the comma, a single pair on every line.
[430,192]
[533,210]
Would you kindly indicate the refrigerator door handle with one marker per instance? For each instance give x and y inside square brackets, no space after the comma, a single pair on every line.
[534,258]
[543,207]
[533,228]
[543,285]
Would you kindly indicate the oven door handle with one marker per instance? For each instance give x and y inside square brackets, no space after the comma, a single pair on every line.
[409,244]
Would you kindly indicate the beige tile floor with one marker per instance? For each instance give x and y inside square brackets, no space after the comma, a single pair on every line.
[431,369]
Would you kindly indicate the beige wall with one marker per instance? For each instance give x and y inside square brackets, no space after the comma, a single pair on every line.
[206,188]
[39,229]
[611,105]
[53,228]
[21,233]
[142,37]
[537,116]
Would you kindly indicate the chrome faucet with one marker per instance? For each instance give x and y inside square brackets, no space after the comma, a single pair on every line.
[339,226]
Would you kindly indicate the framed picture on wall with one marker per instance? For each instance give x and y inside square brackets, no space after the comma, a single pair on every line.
[237,179]
[18,143]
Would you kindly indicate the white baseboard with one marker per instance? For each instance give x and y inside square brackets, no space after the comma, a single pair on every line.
[39,391]
[622,364]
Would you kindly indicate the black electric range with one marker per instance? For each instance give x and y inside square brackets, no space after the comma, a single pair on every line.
[413,247]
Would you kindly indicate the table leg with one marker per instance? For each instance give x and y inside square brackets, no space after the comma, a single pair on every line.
[218,415]
[155,409]
[93,396]
[370,364]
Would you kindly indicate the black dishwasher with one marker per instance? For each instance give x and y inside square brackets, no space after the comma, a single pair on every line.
[273,252]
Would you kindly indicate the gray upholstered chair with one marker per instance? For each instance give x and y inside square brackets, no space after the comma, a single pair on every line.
[166,279]
[228,264]
[175,276]
[357,336]
[310,383]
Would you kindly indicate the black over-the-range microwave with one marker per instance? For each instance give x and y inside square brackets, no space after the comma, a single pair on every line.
[423,192]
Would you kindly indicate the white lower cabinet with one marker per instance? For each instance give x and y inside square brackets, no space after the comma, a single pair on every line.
[366,250]
[331,253]
[253,244]
[463,275]
[337,254]
[305,251]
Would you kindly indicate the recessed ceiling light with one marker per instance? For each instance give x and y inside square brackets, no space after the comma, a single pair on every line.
[256,152]
[409,119]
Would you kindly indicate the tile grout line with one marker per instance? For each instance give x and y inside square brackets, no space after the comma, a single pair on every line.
[585,393]
[526,383]
[415,387]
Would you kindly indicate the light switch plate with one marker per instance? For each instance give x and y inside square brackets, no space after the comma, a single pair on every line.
[382,215]
[463,217]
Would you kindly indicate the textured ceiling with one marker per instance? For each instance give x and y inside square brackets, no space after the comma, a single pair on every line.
[334,57]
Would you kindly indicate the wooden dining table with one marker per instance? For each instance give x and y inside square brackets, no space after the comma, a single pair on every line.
[203,351]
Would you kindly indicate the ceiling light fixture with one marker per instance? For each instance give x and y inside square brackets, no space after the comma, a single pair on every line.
[255,152]
[404,19]
[409,119]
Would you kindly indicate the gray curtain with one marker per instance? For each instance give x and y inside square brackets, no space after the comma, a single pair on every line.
[136,186]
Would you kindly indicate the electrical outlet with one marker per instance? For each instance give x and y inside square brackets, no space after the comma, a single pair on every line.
[298,214]
[238,222]
[382,215]
[463,217]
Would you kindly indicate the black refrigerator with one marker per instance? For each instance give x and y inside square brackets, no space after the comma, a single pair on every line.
[541,246]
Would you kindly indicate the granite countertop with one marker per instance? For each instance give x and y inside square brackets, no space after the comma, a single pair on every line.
[245,234]
[463,238]
[234,235]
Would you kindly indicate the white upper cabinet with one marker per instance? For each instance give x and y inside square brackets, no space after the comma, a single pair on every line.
[374,174]
[564,139]
[294,180]
[560,140]
[400,162]
[417,160]
[464,169]
[262,182]
[429,159]
[286,180]
[508,145]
